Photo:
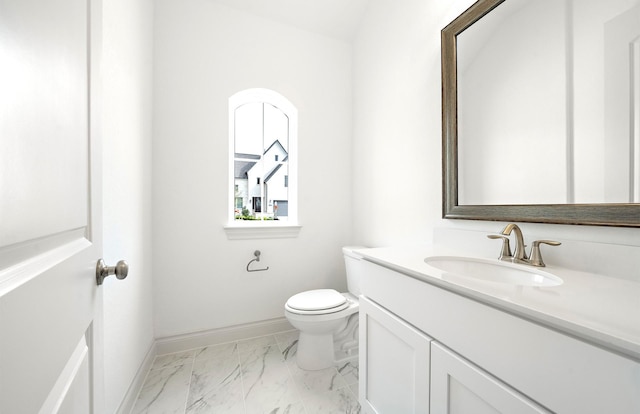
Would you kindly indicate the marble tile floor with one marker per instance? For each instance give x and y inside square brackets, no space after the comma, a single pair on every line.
[257,375]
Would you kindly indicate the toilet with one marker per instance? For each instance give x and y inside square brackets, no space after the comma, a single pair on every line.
[327,320]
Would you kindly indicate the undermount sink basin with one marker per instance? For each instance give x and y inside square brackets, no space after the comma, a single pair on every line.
[493,271]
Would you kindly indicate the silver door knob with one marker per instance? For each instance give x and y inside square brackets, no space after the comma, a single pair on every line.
[121,270]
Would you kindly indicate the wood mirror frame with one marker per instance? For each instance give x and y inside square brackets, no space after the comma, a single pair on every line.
[614,214]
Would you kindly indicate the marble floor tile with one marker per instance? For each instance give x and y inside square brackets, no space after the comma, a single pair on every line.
[349,371]
[310,382]
[228,350]
[355,389]
[254,406]
[164,391]
[216,386]
[253,376]
[288,344]
[173,360]
[250,345]
[261,359]
[268,385]
[341,401]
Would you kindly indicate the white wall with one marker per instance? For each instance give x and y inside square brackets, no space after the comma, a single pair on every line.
[397,120]
[128,314]
[398,130]
[204,53]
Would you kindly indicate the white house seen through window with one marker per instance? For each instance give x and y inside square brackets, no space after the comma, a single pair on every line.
[262,133]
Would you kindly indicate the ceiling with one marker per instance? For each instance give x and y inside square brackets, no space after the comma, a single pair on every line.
[334,18]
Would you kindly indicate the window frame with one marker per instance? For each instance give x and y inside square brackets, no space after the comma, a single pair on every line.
[240,229]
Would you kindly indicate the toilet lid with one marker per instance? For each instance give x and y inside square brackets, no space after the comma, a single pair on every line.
[318,299]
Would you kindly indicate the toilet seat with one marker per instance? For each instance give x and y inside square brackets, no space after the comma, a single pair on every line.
[318,301]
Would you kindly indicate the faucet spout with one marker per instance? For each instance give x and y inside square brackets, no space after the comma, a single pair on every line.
[519,254]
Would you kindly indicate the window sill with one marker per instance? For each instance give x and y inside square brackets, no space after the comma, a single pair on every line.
[241,231]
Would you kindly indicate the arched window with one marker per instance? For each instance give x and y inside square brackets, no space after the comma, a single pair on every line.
[263,158]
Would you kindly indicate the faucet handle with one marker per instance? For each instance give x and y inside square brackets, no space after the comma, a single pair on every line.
[505,253]
[536,256]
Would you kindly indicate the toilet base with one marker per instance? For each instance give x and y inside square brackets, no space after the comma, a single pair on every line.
[323,350]
[314,351]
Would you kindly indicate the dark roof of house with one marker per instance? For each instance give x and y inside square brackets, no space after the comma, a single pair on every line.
[243,165]
[247,156]
[241,168]
[277,141]
[270,174]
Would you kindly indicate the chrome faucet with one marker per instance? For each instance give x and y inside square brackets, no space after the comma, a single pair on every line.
[519,254]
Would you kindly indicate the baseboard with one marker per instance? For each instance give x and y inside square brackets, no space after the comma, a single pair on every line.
[177,343]
[136,385]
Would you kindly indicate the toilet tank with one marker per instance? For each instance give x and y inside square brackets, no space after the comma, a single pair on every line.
[352,263]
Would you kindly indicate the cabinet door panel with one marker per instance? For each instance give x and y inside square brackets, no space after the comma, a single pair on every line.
[458,387]
[394,363]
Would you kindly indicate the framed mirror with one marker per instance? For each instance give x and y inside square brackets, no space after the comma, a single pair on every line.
[541,112]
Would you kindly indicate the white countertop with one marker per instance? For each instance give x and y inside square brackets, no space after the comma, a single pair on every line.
[599,309]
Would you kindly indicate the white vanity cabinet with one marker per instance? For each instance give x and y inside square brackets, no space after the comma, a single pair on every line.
[394,363]
[403,371]
[419,342]
[459,387]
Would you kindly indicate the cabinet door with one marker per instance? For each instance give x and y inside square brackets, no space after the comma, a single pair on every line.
[457,386]
[394,363]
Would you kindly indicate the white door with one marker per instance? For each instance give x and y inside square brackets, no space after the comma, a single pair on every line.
[50,228]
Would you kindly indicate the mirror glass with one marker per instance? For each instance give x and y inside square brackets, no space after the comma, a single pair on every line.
[541,107]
